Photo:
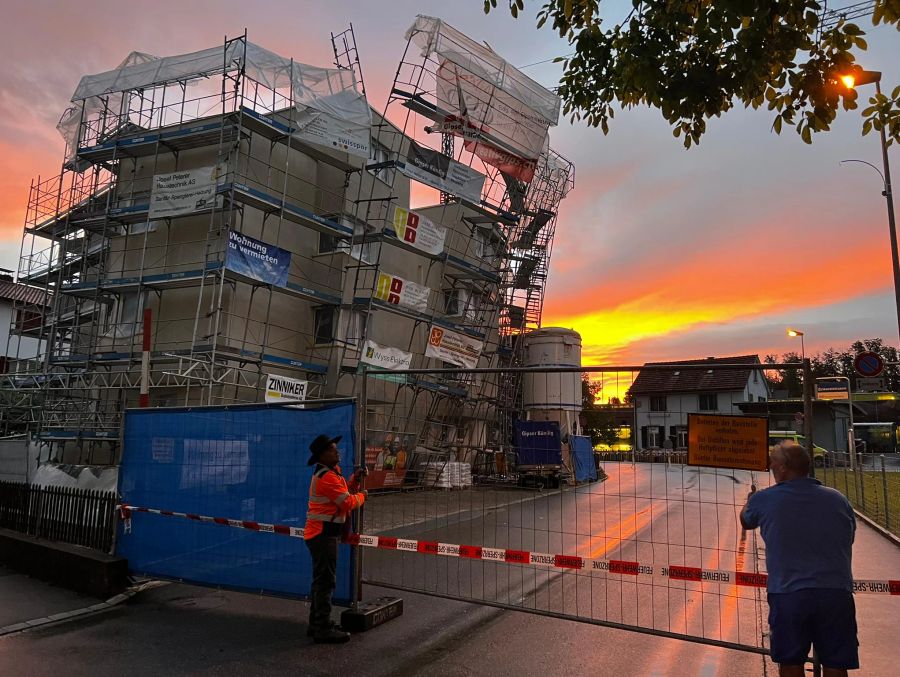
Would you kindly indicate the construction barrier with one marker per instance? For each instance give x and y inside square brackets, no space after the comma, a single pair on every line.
[247,465]
[672,572]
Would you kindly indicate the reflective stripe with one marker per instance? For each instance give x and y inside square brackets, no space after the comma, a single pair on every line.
[343,497]
[318,517]
[318,499]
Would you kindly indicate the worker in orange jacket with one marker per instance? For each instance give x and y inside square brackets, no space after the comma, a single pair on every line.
[331,500]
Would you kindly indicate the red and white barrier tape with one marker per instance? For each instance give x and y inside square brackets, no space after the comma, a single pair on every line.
[524,557]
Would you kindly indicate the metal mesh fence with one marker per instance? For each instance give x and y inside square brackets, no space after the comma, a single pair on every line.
[872,486]
[654,545]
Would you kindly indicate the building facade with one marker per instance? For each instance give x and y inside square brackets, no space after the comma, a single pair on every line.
[663,398]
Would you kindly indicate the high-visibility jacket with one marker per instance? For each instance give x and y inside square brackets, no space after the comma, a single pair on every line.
[330,501]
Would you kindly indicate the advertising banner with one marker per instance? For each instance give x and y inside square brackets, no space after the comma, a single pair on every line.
[385,357]
[284,389]
[178,193]
[257,260]
[538,443]
[402,292]
[500,130]
[419,231]
[388,458]
[438,171]
[328,131]
[453,347]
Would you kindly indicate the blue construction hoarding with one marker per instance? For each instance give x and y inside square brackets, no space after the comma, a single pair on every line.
[239,463]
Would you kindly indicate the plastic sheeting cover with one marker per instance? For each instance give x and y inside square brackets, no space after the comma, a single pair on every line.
[330,91]
[582,458]
[435,36]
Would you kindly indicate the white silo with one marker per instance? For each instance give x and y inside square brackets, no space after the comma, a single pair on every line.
[553,396]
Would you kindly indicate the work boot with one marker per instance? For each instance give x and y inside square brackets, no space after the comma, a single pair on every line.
[331,636]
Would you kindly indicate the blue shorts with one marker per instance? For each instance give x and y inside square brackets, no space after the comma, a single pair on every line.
[825,618]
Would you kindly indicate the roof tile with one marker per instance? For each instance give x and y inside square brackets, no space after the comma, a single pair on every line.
[694,380]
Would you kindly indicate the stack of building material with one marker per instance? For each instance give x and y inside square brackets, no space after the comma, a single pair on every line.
[437,475]
[461,475]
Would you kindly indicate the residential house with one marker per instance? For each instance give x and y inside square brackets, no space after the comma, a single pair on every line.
[663,397]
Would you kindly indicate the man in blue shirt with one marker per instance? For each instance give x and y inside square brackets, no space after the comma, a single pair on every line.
[808,530]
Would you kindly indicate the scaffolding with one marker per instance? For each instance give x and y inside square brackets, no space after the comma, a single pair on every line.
[198,217]
[494,203]
[229,216]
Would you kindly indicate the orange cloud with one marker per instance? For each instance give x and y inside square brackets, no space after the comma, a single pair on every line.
[739,280]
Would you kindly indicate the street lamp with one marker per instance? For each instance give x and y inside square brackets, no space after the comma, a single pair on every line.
[851,80]
[794,332]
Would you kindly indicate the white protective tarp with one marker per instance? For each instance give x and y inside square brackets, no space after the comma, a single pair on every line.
[325,98]
[503,115]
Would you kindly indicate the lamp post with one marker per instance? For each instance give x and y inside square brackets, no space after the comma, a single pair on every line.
[794,332]
[851,80]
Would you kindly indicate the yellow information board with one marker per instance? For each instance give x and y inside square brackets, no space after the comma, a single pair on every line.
[740,442]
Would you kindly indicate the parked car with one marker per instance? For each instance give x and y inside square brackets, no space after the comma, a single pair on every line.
[820,454]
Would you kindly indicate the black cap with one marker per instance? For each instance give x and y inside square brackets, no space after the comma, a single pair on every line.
[320,444]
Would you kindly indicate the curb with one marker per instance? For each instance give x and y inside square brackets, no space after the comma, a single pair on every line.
[892,537]
[84,612]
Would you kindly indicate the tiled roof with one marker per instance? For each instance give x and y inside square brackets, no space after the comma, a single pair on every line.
[13,291]
[694,380]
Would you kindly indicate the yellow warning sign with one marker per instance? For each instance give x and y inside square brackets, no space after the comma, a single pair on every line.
[740,442]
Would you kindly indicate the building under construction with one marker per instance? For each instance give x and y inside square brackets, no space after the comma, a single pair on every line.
[231,226]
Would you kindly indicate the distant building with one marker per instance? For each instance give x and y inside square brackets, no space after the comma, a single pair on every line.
[25,304]
[664,397]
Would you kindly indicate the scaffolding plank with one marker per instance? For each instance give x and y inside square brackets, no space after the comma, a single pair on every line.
[265,201]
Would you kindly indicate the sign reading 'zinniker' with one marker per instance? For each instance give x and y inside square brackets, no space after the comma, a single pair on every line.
[740,442]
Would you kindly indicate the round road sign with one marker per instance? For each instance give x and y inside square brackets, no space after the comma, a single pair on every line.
[868,364]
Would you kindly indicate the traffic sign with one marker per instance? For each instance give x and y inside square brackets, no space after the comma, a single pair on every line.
[718,441]
[832,388]
[870,385]
[868,364]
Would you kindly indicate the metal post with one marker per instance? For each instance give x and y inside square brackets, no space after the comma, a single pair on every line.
[860,478]
[884,489]
[892,226]
[145,359]
[808,414]
[360,461]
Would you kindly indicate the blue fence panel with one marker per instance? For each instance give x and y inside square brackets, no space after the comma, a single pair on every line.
[582,458]
[242,463]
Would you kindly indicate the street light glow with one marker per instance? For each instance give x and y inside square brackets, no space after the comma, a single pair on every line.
[858,76]
[794,332]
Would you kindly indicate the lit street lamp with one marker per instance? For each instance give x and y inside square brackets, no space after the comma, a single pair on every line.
[794,332]
[851,80]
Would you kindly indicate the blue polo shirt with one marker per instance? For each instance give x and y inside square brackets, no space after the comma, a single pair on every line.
[808,530]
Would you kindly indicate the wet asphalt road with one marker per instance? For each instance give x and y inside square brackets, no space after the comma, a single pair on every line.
[648,514]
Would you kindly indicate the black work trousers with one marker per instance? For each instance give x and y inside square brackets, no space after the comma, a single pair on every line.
[324,551]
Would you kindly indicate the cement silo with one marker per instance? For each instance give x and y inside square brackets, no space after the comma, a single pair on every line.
[553,396]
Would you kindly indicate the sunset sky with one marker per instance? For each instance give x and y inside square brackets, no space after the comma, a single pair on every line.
[660,253]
